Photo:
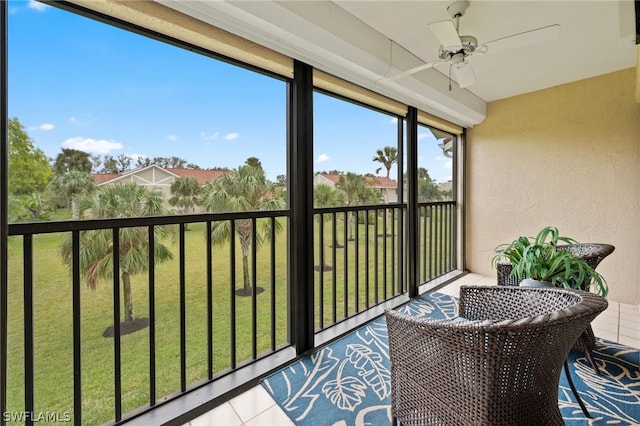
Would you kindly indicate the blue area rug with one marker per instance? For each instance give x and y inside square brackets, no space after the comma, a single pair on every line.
[348,381]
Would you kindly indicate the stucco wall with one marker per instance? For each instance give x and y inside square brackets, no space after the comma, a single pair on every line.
[567,156]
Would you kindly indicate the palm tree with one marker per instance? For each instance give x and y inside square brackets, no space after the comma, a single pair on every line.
[37,206]
[388,156]
[185,192]
[351,183]
[327,196]
[97,253]
[253,162]
[367,195]
[245,189]
[427,188]
[73,185]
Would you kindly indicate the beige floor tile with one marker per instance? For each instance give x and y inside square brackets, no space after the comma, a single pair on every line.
[252,403]
[612,314]
[605,324]
[634,333]
[629,341]
[274,416]
[625,307]
[604,333]
[612,337]
[224,415]
[630,320]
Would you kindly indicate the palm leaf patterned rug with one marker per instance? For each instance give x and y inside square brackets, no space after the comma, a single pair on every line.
[348,382]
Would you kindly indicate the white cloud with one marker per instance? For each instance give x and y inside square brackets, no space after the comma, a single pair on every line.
[98,146]
[216,135]
[210,137]
[45,127]
[171,138]
[72,119]
[322,158]
[36,5]
[232,136]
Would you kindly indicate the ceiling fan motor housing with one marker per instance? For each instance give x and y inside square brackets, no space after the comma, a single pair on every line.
[457,8]
[468,46]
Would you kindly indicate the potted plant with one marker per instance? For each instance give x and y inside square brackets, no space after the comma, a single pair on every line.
[539,259]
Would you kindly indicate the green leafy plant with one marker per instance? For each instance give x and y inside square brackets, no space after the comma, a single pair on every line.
[540,259]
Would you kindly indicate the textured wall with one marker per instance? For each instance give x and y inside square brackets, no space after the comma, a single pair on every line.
[567,156]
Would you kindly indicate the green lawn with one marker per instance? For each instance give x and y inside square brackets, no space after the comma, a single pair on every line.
[53,320]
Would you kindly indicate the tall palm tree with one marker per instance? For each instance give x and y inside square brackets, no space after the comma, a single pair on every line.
[427,188]
[388,156]
[351,183]
[253,162]
[73,185]
[185,192]
[327,196]
[245,189]
[96,254]
[367,195]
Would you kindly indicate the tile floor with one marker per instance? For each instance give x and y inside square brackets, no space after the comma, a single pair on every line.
[619,323]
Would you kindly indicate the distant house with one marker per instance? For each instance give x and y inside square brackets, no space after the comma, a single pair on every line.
[387,187]
[446,186]
[156,178]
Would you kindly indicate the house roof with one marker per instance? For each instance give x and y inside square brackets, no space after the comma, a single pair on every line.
[104,177]
[372,181]
[202,176]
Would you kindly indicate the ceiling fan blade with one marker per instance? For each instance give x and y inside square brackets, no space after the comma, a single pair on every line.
[523,39]
[409,71]
[464,75]
[445,32]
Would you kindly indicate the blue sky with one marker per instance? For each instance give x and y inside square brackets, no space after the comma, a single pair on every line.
[78,83]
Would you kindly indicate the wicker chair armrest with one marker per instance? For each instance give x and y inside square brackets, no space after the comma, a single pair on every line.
[592,253]
[500,303]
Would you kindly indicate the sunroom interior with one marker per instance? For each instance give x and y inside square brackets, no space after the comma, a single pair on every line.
[547,135]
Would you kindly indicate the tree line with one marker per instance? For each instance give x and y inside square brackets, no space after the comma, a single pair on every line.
[39,186]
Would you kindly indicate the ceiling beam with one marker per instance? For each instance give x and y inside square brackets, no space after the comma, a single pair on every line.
[328,38]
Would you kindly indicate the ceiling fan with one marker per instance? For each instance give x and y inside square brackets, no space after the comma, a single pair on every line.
[456,49]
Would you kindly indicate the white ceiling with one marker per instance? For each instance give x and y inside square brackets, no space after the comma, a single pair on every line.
[364,41]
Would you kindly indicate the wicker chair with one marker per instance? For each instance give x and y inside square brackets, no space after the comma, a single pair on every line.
[498,364]
[593,254]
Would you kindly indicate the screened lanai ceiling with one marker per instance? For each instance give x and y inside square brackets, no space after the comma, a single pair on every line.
[366,42]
